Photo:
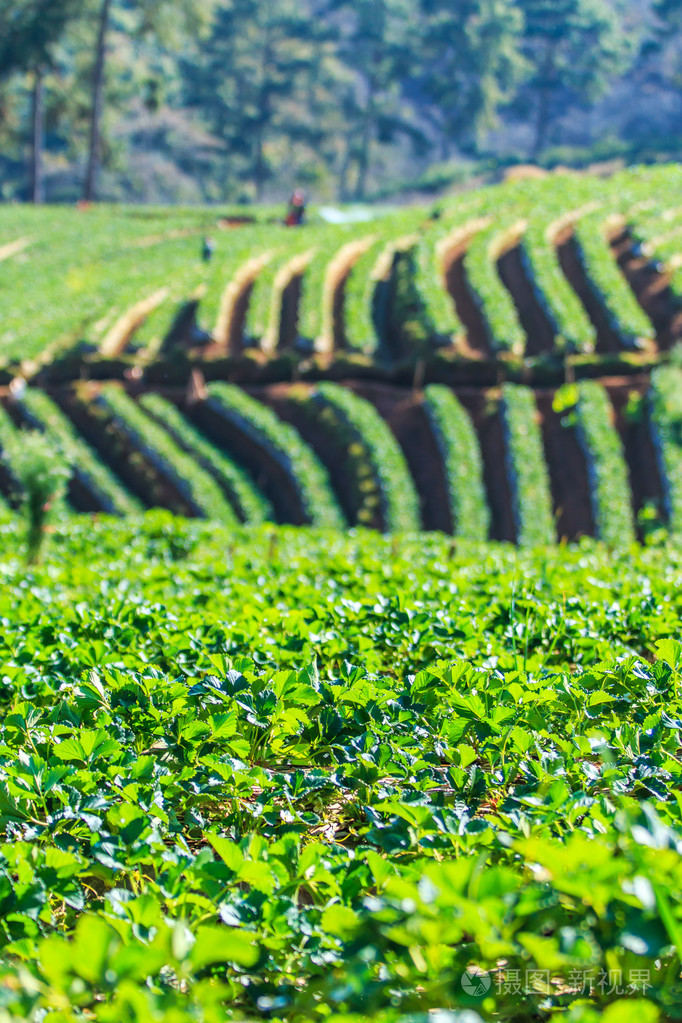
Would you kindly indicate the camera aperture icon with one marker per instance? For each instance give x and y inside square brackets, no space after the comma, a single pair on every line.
[476,984]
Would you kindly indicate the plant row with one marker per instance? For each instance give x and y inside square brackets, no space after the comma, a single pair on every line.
[42,413]
[119,414]
[625,315]
[383,495]
[324,455]
[527,468]
[607,469]
[505,333]
[461,456]
[574,331]
[105,281]
[665,399]
[270,775]
[248,503]
[285,446]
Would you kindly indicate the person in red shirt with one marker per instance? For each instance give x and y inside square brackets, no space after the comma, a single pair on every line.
[296,210]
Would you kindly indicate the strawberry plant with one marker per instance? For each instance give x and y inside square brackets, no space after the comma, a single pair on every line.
[299,775]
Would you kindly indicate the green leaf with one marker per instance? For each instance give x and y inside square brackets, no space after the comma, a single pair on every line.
[223,945]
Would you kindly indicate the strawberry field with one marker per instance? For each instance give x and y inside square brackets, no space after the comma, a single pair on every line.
[503,365]
[340,660]
[282,775]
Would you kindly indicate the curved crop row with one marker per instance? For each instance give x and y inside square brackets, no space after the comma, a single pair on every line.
[462,462]
[574,331]
[505,332]
[667,252]
[42,412]
[246,500]
[229,324]
[648,224]
[199,488]
[607,470]
[332,262]
[377,463]
[286,447]
[441,319]
[626,316]
[527,467]
[360,312]
[665,402]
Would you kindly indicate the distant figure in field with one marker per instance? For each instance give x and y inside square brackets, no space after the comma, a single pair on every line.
[207,250]
[296,210]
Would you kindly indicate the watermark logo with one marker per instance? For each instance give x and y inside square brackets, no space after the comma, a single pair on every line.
[476,984]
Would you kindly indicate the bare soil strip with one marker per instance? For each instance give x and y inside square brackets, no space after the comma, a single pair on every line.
[482,408]
[643,469]
[571,264]
[234,304]
[119,336]
[404,413]
[268,474]
[477,341]
[333,331]
[538,327]
[567,473]
[651,288]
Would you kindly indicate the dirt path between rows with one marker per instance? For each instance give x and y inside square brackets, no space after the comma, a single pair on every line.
[571,264]
[538,327]
[567,473]
[477,340]
[651,288]
[645,480]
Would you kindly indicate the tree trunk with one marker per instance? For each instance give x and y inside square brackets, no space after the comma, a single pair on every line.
[342,186]
[259,165]
[38,134]
[544,88]
[541,123]
[97,102]
[364,151]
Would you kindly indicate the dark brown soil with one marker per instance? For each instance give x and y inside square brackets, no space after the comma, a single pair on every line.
[185,329]
[404,413]
[539,329]
[81,497]
[567,473]
[268,474]
[477,338]
[116,450]
[339,312]
[411,426]
[652,290]
[80,494]
[403,410]
[571,264]
[288,319]
[484,411]
[330,453]
[235,342]
[645,480]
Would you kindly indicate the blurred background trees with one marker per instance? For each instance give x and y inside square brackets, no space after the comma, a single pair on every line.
[195,100]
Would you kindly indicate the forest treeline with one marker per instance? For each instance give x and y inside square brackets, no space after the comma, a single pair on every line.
[185,100]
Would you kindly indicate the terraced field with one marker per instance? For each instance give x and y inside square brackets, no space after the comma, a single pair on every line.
[503,365]
[258,764]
